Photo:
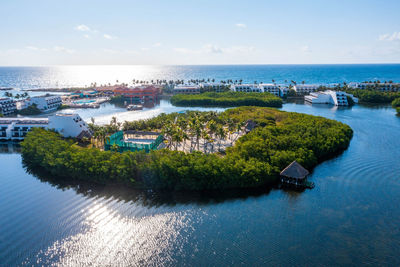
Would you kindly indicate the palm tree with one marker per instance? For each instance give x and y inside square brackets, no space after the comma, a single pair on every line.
[221,136]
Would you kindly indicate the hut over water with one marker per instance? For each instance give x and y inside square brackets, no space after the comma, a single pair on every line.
[296,175]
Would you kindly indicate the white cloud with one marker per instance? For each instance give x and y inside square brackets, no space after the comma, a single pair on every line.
[115,51]
[109,37]
[145,49]
[111,51]
[63,49]
[390,37]
[214,49]
[239,49]
[34,48]
[241,25]
[306,49]
[87,36]
[186,50]
[82,28]
[157,45]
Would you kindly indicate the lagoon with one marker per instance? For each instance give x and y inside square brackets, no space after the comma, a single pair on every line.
[350,217]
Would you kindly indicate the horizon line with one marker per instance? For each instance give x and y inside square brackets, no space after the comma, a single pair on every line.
[236,64]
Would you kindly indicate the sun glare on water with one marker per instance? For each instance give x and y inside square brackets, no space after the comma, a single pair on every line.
[115,239]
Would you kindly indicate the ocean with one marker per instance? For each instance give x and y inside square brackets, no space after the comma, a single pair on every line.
[79,76]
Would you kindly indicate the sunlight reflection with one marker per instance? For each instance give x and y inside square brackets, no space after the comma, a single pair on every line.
[114,239]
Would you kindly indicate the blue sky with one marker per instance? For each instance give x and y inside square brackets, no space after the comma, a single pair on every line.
[58,32]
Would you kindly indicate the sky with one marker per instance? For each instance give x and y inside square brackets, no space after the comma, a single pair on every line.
[169,32]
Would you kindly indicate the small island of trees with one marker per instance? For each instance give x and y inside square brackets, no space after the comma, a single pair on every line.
[227,99]
[254,160]
[396,105]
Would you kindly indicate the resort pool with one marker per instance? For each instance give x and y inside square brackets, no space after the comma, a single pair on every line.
[89,101]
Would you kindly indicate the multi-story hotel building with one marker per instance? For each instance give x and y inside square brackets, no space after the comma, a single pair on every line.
[213,87]
[141,93]
[305,89]
[336,98]
[68,125]
[249,88]
[46,103]
[186,89]
[7,106]
[270,88]
[384,87]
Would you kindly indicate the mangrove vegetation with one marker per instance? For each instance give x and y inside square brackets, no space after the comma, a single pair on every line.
[254,160]
[227,99]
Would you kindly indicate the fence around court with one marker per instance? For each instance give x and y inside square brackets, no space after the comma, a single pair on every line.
[116,142]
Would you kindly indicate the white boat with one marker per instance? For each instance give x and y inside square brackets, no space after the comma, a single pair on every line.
[134,107]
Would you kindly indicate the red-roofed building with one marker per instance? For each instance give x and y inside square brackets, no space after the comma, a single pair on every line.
[143,93]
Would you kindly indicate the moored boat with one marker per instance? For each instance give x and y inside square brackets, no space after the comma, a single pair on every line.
[134,107]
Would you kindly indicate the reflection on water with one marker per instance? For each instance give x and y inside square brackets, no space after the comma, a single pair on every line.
[104,114]
[349,218]
[10,147]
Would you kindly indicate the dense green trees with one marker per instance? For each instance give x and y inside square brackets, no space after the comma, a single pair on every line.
[31,110]
[255,159]
[396,103]
[227,99]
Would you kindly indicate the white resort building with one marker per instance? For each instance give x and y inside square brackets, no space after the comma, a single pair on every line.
[213,87]
[384,87]
[68,125]
[46,103]
[336,98]
[249,88]
[305,89]
[22,104]
[7,106]
[270,88]
[186,89]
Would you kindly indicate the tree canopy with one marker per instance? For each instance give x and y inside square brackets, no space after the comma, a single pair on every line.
[227,99]
[255,159]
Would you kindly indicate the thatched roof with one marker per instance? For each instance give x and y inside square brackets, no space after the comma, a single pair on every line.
[295,170]
[83,134]
[250,125]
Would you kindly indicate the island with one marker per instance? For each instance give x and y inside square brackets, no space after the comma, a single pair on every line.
[396,105]
[253,144]
[227,99]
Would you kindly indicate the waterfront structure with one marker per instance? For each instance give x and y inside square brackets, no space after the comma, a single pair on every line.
[295,175]
[384,87]
[141,93]
[249,88]
[213,87]
[284,90]
[304,89]
[337,98]
[270,88]
[107,90]
[186,89]
[134,141]
[46,103]
[68,125]
[7,106]
[22,104]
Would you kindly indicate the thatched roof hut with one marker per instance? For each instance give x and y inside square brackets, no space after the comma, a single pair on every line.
[295,171]
[250,125]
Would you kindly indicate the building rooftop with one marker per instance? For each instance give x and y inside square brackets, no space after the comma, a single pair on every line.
[295,170]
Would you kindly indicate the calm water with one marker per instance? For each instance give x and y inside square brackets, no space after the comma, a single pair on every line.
[67,76]
[351,217]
